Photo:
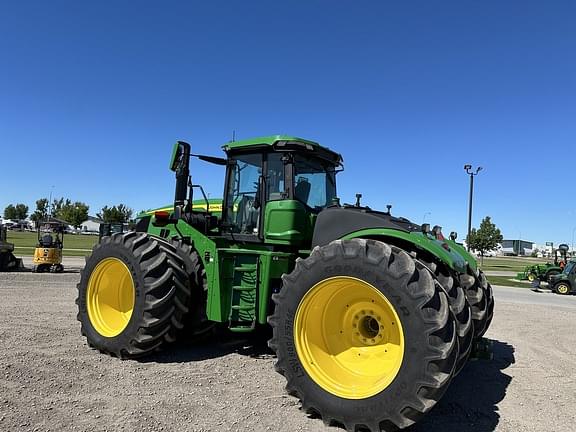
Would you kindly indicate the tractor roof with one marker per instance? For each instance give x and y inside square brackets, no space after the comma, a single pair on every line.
[280,142]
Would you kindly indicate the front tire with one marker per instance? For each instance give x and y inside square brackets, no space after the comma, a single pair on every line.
[132,295]
[364,335]
[562,288]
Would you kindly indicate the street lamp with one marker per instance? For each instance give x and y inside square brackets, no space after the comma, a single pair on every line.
[470,171]
[50,201]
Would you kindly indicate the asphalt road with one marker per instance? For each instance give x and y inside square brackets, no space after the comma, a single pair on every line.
[527,296]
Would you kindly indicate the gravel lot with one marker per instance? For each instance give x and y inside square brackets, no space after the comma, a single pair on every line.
[51,381]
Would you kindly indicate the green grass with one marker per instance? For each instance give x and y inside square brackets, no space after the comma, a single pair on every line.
[508,281]
[74,244]
[513,264]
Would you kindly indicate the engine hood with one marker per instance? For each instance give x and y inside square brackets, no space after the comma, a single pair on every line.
[336,222]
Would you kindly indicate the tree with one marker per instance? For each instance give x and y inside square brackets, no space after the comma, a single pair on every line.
[57,205]
[41,210]
[486,238]
[119,213]
[73,213]
[10,212]
[17,212]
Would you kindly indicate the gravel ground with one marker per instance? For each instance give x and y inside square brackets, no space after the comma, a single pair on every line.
[51,381]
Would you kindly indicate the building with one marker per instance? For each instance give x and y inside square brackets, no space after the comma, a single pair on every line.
[517,247]
[91,225]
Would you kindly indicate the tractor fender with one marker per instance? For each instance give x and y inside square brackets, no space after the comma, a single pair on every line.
[414,241]
[464,254]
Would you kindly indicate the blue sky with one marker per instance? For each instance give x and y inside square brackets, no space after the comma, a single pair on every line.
[93,94]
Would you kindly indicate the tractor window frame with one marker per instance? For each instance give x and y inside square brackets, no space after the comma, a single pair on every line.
[262,192]
[330,169]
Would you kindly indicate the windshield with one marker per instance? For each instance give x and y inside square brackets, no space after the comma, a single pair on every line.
[314,182]
[569,267]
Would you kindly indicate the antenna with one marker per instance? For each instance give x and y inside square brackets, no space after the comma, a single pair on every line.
[233,135]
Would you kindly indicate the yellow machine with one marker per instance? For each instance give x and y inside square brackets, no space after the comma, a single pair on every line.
[48,252]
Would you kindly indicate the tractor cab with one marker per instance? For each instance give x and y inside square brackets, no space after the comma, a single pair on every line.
[274,192]
[274,189]
[48,252]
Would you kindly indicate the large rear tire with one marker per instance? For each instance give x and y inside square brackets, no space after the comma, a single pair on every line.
[489,296]
[478,300]
[460,308]
[197,327]
[133,295]
[364,335]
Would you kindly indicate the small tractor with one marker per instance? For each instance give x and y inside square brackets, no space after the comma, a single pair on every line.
[565,282]
[543,272]
[48,252]
[7,259]
[372,315]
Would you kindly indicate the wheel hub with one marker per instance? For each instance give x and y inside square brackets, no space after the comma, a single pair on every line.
[367,328]
[110,297]
[348,337]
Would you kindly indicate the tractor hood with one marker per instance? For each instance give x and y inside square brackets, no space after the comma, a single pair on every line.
[336,222]
[350,222]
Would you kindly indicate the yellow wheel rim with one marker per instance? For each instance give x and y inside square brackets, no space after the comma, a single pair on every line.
[110,297]
[348,337]
[563,289]
[531,277]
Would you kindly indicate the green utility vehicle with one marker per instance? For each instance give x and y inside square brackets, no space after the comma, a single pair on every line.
[371,315]
[543,272]
[565,282]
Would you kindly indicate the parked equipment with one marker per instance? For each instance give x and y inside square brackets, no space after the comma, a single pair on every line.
[372,315]
[565,282]
[8,261]
[48,252]
[543,272]
[109,228]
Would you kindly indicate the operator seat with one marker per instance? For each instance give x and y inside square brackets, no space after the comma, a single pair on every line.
[247,215]
[46,241]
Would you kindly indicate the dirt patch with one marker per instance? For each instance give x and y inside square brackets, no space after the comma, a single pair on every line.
[51,381]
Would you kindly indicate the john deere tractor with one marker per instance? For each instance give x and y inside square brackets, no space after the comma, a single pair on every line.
[372,315]
[544,272]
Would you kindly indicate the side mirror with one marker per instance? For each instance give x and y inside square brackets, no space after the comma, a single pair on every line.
[181,149]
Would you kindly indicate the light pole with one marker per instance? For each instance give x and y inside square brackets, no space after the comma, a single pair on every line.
[470,171]
[50,201]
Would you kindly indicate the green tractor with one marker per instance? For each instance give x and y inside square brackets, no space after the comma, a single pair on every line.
[543,272]
[372,315]
[565,282]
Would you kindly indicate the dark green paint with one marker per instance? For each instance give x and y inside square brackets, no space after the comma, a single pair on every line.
[451,258]
[287,222]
